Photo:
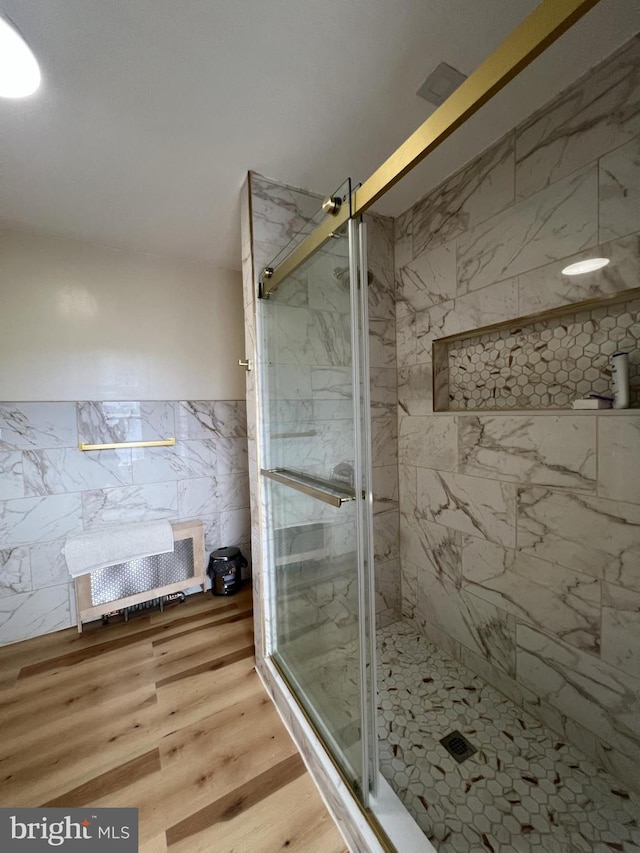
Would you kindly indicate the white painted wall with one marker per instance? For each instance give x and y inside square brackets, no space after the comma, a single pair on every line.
[84,322]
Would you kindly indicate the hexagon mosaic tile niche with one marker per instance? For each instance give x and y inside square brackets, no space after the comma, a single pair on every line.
[545,364]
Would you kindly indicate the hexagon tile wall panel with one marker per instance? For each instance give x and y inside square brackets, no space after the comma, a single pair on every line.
[545,364]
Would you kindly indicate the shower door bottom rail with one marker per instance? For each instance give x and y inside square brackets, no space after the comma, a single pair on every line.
[328,491]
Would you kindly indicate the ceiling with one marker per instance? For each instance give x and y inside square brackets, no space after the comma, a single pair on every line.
[152,111]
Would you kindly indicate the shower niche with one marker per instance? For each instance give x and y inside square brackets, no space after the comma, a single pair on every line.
[541,361]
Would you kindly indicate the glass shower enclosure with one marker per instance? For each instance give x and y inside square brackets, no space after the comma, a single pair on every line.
[317,496]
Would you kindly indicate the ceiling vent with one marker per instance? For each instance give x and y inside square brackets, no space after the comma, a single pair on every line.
[440,84]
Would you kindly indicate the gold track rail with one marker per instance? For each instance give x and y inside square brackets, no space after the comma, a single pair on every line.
[541,28]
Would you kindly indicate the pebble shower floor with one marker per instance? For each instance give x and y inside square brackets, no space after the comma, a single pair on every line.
[524,790]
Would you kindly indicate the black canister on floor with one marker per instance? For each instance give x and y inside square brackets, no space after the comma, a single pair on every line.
[225,570]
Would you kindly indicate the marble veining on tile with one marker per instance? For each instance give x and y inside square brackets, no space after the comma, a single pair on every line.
[621,628]
[148,502]
[30,614]
[289,411]
[428,442]
[525,789]
[557,221]
[386,536]
[287,336]
[484,508]
[384,438]
[310,337]
[472,195]
[594,115]
[331,383]
[203,495]
[585,533]
[11,479]
[433,548]
[385,488]
[58,471]
[289,382]
[235,527]
[387,588]
[620,191]
[384,388]
[381,297]
[197,458]
[546,287]
[297,291]
[15,570]
[380,249]
[332,296]
[32,426]
[382,343]
[598,696]
[202,419]
[48,564]
[406,341]
[403,239]
[26,520]
[329,338]
[280,212]
[550,451]
[474,622]
[619,458]
[415,390]
[558,600]
[429,278]
[381,290]
[492,304]
[111,422]
[409,575]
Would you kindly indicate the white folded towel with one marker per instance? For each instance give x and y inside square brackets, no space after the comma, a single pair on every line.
[118,543]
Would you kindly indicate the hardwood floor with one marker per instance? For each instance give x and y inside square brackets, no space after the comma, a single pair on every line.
[165,713]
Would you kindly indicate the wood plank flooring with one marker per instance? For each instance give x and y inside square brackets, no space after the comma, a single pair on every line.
[167,714]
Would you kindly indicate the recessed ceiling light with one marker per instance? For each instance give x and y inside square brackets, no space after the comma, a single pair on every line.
[589,265]
[19,71]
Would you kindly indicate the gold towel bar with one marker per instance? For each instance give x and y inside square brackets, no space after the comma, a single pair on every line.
[165,442]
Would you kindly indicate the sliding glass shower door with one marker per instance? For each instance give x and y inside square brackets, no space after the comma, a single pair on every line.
[317,495]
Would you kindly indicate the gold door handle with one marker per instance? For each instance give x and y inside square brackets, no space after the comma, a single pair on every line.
[247,364]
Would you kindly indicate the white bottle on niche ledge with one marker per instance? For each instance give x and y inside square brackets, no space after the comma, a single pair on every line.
[620,371]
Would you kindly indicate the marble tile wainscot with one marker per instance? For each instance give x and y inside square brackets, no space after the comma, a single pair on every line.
[520,531]
[49,488]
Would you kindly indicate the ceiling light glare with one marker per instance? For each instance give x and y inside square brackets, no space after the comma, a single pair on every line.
[19,71]
[582,267]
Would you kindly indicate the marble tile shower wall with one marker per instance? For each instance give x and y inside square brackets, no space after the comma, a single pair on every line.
[520,534]
[308,389]
[49,488]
